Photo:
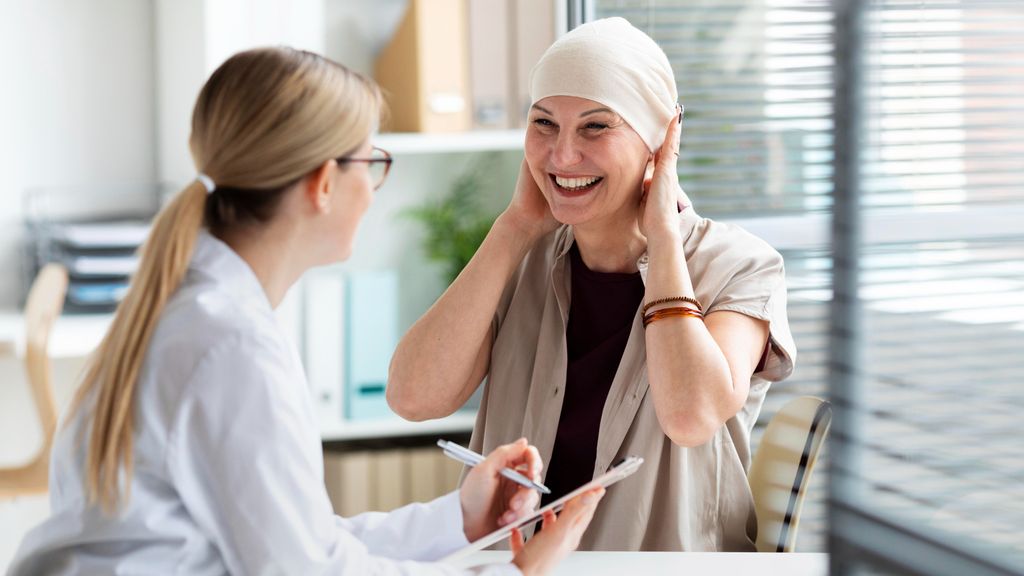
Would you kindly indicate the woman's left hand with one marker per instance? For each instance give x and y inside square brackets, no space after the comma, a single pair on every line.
[662,195]
[489,500]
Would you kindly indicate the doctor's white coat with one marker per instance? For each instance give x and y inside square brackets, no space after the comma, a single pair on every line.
[228,465]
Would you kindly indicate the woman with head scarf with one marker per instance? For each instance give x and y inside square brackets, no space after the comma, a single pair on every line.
[607,316]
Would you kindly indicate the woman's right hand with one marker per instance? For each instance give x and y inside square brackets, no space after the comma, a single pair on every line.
[560,535]
[528,211]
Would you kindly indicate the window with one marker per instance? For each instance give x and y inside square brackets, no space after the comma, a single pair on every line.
[927,468]
[903,123]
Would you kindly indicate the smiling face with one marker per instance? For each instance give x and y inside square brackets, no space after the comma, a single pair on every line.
[588,162]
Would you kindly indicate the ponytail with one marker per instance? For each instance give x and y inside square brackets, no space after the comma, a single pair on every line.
[114,369]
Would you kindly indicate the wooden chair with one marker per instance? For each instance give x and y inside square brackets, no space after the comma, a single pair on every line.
[45,302]
[782,467]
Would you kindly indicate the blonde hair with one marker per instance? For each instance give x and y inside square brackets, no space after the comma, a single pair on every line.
[264,120]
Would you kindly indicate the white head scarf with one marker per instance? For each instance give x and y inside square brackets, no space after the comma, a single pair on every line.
[611,62]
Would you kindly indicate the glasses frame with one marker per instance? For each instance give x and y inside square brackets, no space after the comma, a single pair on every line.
[386,160]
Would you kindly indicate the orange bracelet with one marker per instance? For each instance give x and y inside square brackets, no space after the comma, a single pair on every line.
[678,311]
[673,299]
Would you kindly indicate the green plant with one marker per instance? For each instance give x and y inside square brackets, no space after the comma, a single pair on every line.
[457,224]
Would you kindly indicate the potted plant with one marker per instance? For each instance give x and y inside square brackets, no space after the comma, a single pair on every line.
[457,224]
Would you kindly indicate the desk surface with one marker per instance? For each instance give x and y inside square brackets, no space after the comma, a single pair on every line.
[73,336]
[674,563]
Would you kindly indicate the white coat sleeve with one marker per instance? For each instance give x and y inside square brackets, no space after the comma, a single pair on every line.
[245,457]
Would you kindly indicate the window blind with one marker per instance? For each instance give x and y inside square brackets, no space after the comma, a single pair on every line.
[934,460]
[755,78]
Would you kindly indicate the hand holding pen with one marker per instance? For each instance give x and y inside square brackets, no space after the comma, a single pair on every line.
[470,458]
[488,497]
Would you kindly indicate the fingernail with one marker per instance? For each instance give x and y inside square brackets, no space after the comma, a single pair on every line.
[589,498]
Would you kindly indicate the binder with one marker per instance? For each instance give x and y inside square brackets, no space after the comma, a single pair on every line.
[424,70]
[506,39]
[391,480]
[324,341]
[425,474]
[490,59]
[348,478]
[371,335]
[534,31]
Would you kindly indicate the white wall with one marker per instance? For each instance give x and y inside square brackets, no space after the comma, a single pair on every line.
[76,112]
[193,38]
[76,106]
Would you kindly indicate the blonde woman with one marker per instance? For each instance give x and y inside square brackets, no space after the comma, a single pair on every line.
[191,447]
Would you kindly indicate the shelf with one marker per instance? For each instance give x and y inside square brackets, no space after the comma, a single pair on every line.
[475,141]
[396,427]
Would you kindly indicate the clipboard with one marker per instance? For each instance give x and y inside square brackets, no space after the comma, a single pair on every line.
[623,469]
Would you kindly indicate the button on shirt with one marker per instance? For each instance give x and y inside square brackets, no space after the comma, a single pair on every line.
[228,471]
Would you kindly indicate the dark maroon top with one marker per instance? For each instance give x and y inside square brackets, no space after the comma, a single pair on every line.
[601,316]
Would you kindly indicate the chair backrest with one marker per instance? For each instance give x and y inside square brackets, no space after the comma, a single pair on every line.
[44,305]
[781,469]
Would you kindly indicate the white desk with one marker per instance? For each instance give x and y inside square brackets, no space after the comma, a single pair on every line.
[675,563]
[73,336]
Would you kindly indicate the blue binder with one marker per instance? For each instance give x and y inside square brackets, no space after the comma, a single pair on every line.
[371,334]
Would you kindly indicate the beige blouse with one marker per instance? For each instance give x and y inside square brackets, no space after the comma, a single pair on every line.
[694,499]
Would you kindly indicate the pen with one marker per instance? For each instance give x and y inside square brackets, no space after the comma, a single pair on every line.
[470,458]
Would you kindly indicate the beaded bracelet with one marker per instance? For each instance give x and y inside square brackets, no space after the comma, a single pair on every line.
[671,313]
[673,299]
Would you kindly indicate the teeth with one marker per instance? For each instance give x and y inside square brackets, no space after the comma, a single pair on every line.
[575,182]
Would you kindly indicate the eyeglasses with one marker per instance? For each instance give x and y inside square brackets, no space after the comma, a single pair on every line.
[379,163]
